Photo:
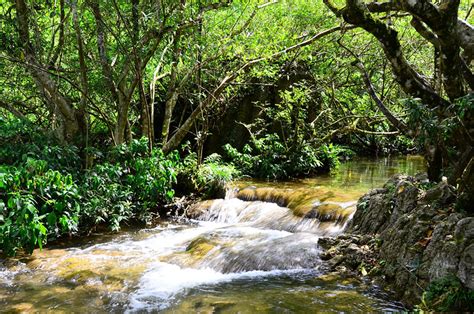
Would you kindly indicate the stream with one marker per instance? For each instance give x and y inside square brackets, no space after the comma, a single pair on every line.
[256,250]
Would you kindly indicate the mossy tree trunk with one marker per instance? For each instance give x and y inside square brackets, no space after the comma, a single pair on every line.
[452,39]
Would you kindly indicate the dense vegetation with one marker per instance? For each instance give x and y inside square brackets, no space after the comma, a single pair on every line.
[108,108]
[45,194]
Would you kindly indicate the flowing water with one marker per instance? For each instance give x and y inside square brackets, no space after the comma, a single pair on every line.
[257,250]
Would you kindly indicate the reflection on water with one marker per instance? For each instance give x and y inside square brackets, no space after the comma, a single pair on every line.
[236,256]
[354,177]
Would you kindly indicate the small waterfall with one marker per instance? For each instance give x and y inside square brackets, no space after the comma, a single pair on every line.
[270,208]
[259,244]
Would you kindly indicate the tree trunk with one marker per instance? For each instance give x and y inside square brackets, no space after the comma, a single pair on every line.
[68,117]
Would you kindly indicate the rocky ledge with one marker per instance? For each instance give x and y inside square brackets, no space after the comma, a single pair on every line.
[410,237]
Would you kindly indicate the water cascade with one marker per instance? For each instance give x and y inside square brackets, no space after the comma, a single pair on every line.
[255,250]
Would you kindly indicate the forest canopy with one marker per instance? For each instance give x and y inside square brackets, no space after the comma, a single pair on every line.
[278,88]
[92,71]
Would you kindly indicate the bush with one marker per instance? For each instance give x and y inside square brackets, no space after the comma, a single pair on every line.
[208,178]
[22,140]
[39,203]
[269,158]
[127,187]
[36,204]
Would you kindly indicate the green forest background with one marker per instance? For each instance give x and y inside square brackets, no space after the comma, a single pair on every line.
[111,109]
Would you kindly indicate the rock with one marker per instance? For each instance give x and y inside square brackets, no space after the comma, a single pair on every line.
[341,269]
[408,236]
[443,194]
[335,261]
[269,255]
[371,214]
[466,267]
[326,212]
[464,237]
[200,247]
[465,229]
[326,243]
[197,209]
[422,178]
[325,256]
[353,248]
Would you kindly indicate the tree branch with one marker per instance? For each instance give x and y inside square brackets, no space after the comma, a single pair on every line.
[12,109]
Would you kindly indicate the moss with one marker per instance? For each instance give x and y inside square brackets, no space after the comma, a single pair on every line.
[199,247]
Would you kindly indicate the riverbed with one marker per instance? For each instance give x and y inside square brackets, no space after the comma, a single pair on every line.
[255,251]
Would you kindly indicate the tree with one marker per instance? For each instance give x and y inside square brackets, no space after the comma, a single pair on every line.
[100,72]
[71,121]
[449,149]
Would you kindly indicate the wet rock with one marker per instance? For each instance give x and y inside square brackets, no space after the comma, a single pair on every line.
[200,247]
[336,261]
[199,208]
[341,269]
[326,243]
[408,236]
[270,255]
[280,197]
[330,212]
[23,307]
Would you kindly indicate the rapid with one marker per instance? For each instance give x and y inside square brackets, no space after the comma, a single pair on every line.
[255,250]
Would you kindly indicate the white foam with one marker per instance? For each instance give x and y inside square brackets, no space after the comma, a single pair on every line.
[163,282]
[159,244]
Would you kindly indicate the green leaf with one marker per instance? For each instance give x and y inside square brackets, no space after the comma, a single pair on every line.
[52,219]
[32,209]
[42,229]
[11,202]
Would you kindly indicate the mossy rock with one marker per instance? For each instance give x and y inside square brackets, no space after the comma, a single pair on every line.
[330,212]
[200,247]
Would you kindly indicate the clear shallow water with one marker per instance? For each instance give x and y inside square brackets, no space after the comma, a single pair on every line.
[353,178]
[240,256]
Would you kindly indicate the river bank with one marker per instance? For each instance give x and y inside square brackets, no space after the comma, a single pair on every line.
[240,250]
[409,237]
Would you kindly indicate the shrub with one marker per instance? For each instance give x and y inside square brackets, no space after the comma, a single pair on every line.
[39,203]
[208,178]
[22,140]
[269,158]
[133,182]
[36,204]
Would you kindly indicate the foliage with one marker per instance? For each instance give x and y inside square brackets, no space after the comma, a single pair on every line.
[36,204]
[294,149]
[432,132]
[208,178]
[127,187]
[447,294]
[22,140]
[91,77]
[268,158]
